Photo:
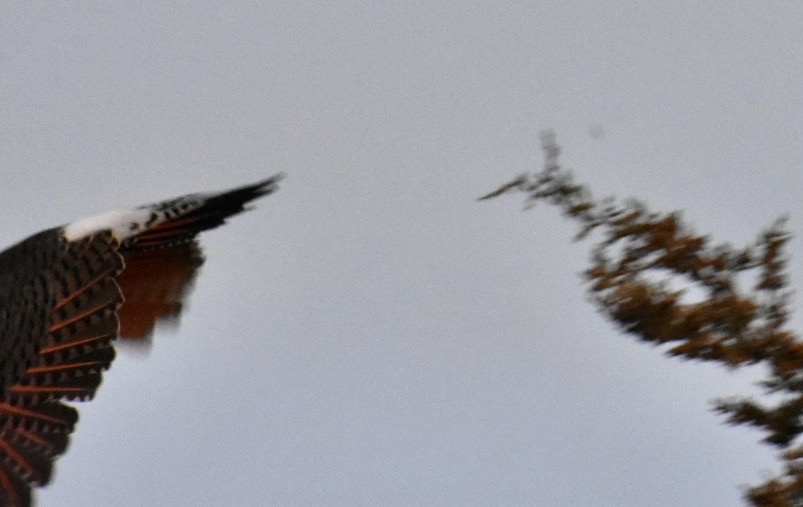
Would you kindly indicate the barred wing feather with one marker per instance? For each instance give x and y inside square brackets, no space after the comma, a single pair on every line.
[65,295]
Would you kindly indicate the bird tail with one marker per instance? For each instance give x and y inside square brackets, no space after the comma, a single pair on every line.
[211,211]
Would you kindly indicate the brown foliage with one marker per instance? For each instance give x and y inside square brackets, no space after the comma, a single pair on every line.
[642,253]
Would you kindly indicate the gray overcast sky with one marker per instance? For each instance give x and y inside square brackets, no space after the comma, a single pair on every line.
[370,334]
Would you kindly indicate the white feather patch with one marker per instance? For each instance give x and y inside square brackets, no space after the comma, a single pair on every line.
[124,223]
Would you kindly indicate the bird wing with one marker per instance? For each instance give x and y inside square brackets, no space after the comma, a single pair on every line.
[162,259]
[62,295]
[60,314]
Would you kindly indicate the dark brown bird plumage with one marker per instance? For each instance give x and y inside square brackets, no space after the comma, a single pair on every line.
[65,295]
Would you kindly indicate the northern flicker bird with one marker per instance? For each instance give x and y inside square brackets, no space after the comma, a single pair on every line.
[66,293]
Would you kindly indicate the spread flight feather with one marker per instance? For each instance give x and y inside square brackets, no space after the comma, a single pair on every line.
[66,293]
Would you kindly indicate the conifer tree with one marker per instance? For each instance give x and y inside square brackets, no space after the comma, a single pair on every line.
[641,258]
